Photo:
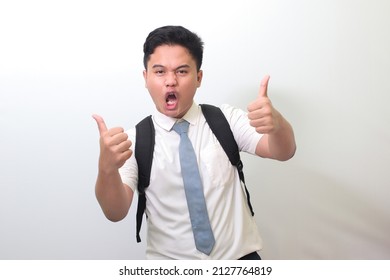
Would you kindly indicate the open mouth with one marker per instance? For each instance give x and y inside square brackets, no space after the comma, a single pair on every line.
[171,99]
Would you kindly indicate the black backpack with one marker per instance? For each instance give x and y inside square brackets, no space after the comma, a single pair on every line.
[144,147]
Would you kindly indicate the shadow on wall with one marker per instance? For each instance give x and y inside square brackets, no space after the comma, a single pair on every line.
[303,214]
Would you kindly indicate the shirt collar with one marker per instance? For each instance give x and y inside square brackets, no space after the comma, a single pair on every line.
[167,122]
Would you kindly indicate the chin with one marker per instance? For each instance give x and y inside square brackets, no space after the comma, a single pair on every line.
[173,114]
[176,112]
[170,113]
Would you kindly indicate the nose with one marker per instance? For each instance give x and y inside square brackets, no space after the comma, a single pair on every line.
[170,79]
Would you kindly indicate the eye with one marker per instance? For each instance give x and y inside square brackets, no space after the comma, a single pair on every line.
[159,72]
[181,72]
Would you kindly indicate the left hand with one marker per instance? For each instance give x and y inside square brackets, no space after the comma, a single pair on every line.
[262,115]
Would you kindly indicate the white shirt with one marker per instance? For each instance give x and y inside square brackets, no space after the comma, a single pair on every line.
[169,227]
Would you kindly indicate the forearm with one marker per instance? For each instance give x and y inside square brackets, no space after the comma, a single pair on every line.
[282,143]
[113,196]
[279,144]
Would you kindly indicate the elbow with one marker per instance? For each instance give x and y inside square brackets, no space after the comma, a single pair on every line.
[114,217]
[288,154]
[113,212]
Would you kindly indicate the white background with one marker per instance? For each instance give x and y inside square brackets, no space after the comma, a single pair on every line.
[329,61]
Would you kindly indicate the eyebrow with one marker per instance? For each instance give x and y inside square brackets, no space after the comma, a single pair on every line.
[179,67]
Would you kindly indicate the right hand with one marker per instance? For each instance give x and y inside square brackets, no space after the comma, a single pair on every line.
[114,146]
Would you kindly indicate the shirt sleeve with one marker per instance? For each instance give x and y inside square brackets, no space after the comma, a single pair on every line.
[129,171]
[244,134]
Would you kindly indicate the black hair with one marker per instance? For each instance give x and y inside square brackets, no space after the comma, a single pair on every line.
[174,35]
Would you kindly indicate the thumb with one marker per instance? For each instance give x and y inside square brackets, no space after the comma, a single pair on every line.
[100,123]
[264,86]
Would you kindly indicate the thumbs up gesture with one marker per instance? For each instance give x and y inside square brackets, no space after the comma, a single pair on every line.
[262,115]
[114,146]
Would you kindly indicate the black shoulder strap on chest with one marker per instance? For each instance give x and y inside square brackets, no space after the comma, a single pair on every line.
[144,147]
[221,129]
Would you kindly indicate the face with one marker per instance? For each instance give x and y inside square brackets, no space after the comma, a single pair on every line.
[172,79]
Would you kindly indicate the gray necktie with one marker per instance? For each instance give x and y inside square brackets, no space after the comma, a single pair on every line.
[203,235]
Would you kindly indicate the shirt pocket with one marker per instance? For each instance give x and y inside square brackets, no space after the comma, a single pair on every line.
[217,165]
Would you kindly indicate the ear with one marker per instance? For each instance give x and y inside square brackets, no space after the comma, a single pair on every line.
[145,73]
[199,77]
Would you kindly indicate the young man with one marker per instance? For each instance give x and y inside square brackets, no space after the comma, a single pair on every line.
[173,59]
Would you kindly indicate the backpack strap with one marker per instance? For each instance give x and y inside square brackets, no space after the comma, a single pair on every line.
[221,129]
[144,147]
